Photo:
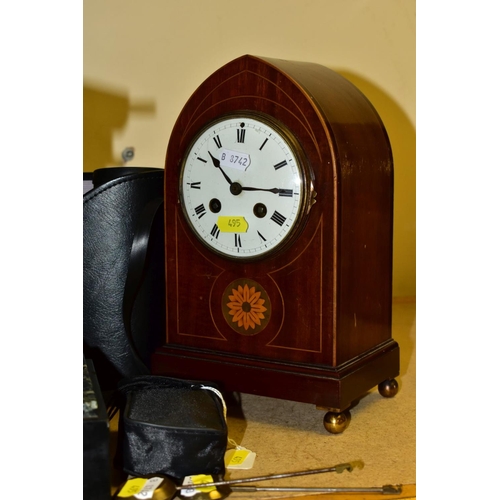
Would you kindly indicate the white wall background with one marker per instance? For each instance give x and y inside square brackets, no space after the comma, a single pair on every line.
[142,61]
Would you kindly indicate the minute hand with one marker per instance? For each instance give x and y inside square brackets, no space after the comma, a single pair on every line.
[282,192]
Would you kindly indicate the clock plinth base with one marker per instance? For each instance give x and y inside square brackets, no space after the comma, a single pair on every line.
[332,388]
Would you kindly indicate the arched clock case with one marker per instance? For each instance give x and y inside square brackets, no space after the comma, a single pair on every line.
[278,238]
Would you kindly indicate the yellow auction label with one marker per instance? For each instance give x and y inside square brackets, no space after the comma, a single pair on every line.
[200,479]
[132,487]
[232,224]
[237,457]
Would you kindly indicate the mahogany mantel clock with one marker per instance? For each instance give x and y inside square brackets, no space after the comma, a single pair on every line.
[278,221]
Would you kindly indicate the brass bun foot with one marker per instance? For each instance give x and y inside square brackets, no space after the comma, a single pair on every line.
[336,423]
[388,388]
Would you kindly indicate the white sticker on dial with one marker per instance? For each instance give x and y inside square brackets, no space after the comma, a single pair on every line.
[234,159]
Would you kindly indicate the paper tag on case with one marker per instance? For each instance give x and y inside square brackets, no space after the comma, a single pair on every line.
[239,459]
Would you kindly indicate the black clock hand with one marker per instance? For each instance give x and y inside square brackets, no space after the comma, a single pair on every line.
[273,190]
[216,163]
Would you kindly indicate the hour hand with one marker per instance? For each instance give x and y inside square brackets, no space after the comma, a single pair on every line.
[216,163]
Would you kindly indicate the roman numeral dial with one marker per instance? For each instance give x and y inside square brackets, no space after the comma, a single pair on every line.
[242,186]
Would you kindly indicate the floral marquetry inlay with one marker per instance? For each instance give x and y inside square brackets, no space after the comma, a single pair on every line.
[246,307]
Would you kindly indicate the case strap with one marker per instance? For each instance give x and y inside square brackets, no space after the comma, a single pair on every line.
[136,268]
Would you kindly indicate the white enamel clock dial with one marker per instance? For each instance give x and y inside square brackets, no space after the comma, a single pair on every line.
[242,186]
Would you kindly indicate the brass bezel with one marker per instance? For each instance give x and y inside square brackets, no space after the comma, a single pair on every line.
[305,173]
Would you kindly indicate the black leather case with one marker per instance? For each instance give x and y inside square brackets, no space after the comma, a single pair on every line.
[112,211]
